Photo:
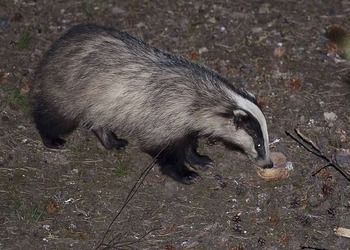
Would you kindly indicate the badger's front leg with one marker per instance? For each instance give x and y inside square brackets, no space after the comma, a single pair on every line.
[195,160]
[172,163]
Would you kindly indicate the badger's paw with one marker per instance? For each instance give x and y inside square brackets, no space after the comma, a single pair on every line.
[198,161]
[109,140]
[181,174]
[53,142]
[189,178]
[119,144]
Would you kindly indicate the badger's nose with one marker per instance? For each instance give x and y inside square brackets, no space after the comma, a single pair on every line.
[269,164]
[266,163]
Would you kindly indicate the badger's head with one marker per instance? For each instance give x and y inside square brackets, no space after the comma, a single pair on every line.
[248,133]
[242,125]
[247,126]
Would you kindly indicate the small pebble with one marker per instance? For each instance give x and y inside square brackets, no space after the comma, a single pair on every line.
[117,10]
[202,50]
[330,116]
[5,21]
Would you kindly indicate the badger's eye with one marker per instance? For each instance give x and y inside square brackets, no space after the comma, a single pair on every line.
[259,145]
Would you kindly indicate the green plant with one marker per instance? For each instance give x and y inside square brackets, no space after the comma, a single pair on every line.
[24,39]
[120,170]
[3,3]
[87,9]
[19,101]
[27,213]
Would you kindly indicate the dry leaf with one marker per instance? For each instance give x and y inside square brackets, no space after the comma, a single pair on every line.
[332,47]
[52,207]
[273,221]
[327,189]
[17,17]
[170,247]
[279,52]
[284,239]
[262,102]
[325,174]
[295,83]
[193,55]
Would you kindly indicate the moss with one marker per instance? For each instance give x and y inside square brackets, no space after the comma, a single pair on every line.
[24,39]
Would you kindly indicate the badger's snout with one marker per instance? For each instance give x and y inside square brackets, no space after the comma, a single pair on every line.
[265,163]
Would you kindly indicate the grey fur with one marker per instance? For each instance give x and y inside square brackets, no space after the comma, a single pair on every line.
[111,82]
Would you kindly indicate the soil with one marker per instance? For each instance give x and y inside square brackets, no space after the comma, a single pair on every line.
[66,199]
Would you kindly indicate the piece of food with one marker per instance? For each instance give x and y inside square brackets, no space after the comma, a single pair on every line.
[342,231]
[279,171]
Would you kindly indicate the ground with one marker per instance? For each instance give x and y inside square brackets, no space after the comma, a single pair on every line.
[66,199]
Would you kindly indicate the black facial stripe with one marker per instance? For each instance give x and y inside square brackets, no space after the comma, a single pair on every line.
[252,126]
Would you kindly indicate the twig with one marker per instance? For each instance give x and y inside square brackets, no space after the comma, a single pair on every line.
[2,107]
[131,194]
[312,144]
[311,147]
[312,248]
[129,243]
[319,170]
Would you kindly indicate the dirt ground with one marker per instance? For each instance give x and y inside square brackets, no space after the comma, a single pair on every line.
[277,49]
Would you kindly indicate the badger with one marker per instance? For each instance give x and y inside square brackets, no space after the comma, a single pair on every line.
[118,86]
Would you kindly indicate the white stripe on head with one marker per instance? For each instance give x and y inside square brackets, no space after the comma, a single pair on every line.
[246,104]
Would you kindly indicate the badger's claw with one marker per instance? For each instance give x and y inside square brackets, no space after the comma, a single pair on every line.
[196,161]
[190,177]
[180,173]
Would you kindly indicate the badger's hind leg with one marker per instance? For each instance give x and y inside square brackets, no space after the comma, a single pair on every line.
[54,142]
[109,140]
[52,126]
[196,160]
[172,163]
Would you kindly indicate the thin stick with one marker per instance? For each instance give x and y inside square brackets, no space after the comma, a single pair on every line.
[301,144]
[129,243]
[131,194]
[307,140]
[306,143]
[312,248]
[319,170]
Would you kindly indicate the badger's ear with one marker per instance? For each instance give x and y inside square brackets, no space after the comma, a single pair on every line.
[235,118]
[239,112]
[232,114]
[239,116]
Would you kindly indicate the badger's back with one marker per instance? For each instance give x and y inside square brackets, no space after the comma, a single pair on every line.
[108,79]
